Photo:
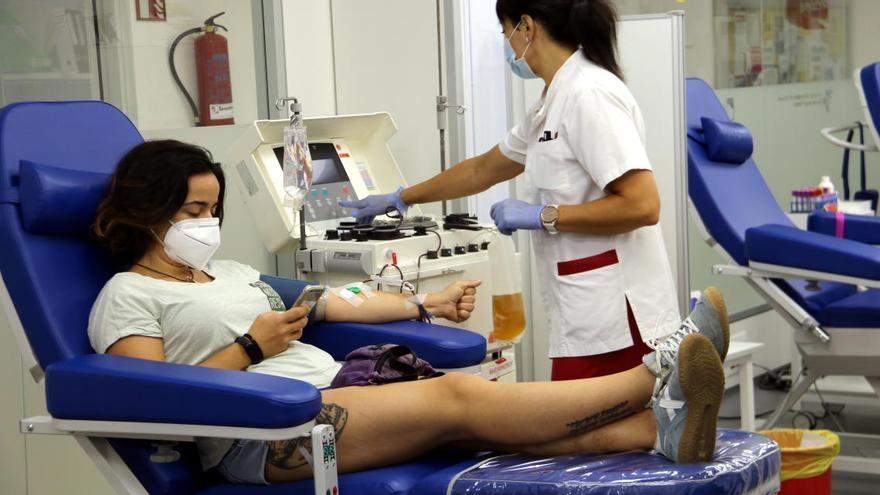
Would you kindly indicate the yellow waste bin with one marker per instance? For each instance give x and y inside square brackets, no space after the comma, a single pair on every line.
[807,456]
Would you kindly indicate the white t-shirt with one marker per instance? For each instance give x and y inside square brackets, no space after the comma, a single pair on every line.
[196,321]
[584,133]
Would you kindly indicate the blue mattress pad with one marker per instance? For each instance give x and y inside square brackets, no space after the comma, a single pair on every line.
[745,463]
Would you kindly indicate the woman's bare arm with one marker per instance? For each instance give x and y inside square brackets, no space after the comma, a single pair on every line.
[455,303]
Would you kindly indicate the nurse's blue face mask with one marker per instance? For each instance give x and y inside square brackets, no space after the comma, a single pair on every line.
[519,66]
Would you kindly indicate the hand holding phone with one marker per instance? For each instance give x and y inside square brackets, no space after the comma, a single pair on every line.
[310,295]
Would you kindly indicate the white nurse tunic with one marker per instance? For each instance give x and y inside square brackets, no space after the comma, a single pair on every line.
[585,132]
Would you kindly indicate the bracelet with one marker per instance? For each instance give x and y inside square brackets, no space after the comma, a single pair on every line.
[250,347]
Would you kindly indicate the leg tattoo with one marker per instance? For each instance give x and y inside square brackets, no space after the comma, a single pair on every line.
[285,454]
[594,421]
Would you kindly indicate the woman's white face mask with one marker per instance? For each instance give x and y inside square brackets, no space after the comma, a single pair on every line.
[193,242]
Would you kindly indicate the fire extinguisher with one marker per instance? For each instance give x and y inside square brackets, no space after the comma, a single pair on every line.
[212,73]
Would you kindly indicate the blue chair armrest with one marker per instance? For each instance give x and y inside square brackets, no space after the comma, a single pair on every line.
[796,248]
[100,387]
[861,228]
[443,347]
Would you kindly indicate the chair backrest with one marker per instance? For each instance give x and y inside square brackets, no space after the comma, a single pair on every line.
[729,197]
[867,80]
[55,159]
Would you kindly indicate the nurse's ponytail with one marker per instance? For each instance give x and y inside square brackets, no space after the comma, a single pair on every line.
[588,24]
[593,23]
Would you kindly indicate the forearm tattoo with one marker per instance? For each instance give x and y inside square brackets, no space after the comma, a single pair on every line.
[594,421]
[285,454]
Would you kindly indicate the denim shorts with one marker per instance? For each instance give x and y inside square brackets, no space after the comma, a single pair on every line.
[245,462]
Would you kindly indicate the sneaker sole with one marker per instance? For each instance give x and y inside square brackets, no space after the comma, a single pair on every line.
[717,301]
[702,381]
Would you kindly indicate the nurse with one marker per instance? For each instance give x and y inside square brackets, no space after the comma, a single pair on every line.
[590,200]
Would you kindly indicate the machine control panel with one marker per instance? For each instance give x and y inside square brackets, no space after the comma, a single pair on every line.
[330,182]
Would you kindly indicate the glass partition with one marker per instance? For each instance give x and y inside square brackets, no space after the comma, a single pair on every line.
[47,51]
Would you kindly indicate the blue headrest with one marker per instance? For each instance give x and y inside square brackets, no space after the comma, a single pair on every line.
[726,141]
[59,201]
[870,79]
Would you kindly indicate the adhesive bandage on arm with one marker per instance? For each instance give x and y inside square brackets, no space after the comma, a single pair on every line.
[351,293]
[415,300]
[321,306]
[418,301]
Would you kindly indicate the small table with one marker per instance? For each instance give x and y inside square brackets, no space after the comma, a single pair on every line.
[740,354]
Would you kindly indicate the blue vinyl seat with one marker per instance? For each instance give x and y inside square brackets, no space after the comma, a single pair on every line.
[811,277]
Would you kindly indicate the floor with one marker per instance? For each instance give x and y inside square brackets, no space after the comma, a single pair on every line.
[852,418]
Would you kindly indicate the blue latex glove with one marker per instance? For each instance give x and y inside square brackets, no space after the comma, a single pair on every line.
[377,204]
[513,214]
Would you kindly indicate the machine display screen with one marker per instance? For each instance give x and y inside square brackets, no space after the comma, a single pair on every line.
[326,165]
[326,171]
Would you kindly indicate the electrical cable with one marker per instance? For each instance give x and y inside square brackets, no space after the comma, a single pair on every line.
[419,262]
[774,380]
[488,231]
[399,272]
[394,214]
[827,411]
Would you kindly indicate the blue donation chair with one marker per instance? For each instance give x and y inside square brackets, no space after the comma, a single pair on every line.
[823,281]
[136,418]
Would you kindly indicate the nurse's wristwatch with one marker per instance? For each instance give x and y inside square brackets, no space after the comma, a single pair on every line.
[549,217]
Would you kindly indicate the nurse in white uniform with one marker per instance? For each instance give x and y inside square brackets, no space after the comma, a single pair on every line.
[590,200]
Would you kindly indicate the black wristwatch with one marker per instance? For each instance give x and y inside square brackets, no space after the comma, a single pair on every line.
[250,347]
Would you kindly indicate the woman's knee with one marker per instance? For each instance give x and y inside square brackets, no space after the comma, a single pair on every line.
[459,388]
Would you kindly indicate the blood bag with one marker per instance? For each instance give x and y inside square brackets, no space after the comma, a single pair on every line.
[297,167]
[508,311]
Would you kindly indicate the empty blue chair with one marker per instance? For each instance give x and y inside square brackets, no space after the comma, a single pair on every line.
[815,279]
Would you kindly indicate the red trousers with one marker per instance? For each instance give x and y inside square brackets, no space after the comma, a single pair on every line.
[572,368]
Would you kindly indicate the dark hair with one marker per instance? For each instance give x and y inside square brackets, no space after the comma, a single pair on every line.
[589,24]
[148,187]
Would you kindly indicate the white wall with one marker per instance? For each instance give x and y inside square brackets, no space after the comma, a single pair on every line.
[386,59]
[157,102]
[486,94]
[308,50]
[864,37]
[370,56]
[699,30]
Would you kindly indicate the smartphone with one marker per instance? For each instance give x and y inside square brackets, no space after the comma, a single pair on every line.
[310,295]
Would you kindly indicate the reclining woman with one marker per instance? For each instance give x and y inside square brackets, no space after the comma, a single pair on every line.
[175,305]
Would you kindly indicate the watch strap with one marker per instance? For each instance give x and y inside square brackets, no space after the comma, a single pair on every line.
[550,227]
[251,348]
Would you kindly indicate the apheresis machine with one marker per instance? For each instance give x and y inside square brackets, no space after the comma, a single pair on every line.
[351,159]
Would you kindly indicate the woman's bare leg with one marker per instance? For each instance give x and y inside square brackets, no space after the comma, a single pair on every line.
[378,426]
[635,432]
